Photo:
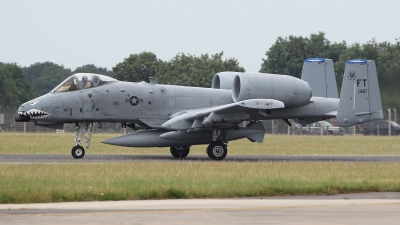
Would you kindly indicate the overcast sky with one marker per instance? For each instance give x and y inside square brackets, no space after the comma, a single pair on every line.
[78,32]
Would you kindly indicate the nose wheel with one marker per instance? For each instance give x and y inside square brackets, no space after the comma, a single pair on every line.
[78,152]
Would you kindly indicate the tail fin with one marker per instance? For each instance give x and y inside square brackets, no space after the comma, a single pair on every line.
[320,76]
[360,98]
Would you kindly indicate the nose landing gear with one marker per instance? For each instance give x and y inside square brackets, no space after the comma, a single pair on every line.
[81,129]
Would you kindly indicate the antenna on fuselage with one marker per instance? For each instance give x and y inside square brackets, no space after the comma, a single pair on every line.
[153,80]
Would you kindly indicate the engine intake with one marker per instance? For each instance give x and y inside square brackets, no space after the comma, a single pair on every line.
[292,91]
[224,80]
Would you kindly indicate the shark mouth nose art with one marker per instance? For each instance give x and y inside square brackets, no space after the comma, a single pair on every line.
[35,114]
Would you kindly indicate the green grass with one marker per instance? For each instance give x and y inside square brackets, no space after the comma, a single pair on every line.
[27,183]
[51,143]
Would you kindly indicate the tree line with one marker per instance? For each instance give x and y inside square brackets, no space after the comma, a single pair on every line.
[286,56]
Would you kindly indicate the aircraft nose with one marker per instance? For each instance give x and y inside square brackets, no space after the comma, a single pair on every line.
[22,115]
[22,118]
[31,110]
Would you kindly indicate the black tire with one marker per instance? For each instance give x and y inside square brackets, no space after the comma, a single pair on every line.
[78,152]
[217,150]
[179,152]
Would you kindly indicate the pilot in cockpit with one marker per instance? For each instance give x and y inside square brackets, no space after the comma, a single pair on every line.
[82,81]
[88,85]
[69,85]
[95,80]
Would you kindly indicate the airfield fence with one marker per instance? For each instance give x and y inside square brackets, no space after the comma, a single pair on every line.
[273,127]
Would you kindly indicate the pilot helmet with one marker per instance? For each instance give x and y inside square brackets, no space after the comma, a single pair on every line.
[95,80]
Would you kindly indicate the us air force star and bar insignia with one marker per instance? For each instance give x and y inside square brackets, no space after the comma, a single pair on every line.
[134,100]
[352,75]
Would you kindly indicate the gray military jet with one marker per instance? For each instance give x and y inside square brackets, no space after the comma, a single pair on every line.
[178,117]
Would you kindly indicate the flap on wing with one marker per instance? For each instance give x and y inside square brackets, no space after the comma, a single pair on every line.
[228,112]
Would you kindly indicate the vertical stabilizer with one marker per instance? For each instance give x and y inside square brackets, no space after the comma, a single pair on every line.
[360,98]
[320,76]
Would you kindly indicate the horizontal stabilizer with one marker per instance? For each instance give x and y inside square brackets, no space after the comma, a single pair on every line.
[360,98]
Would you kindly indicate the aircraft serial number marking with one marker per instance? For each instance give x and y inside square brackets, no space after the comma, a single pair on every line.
[361,91]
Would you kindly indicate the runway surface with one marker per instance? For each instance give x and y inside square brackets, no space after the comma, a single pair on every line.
[366,208]
[38,158]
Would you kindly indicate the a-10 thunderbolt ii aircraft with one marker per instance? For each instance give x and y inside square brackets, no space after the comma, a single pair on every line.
[178,117]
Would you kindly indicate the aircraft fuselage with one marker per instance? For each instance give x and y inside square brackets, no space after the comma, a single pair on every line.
[152,104]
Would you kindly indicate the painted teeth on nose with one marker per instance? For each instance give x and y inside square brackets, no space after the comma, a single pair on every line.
[36,114]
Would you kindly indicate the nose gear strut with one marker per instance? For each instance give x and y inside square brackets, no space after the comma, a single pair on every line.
[81,129]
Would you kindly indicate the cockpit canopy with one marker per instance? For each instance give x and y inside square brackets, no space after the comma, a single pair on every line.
[81,81]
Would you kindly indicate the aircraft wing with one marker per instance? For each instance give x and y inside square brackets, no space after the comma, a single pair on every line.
[220,116]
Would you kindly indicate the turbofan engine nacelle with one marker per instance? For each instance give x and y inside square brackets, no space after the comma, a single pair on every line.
[292,91]
[224,80]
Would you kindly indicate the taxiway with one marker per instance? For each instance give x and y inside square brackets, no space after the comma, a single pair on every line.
[43,158]
[366,208]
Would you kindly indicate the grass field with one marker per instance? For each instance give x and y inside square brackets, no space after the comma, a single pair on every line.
[51,143]
[24,183]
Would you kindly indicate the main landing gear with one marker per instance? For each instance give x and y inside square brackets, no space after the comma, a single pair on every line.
[81,129]
[217,150]
[180,152]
